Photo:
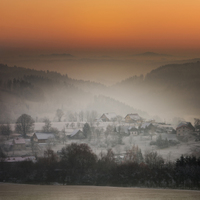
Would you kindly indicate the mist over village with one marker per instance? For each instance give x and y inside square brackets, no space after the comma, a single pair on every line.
[102,106]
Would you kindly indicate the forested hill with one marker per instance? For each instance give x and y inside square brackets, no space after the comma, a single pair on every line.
[41,93]
[173,88]
[179,75]
[167,92]
[181,82]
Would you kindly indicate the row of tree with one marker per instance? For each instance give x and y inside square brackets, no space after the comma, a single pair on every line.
[25,123]
[77,164]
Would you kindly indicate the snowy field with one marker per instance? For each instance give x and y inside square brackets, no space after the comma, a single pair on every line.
[59,192]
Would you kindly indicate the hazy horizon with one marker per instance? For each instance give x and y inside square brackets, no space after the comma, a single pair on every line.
[105,38]
[107,69]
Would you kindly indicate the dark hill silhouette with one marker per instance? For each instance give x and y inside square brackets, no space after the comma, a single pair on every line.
[173,88]
[55,55]
[170,90]
[152,54]
[176,74]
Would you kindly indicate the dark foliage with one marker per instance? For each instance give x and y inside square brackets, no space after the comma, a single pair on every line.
[79,165]
[24,124]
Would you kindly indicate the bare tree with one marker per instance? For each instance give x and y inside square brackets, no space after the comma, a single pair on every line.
[153,159]
[24,124]
[134,155]
[47,126]
[72,124]
[81,116]
[64,139]
[78,124]
[59,114]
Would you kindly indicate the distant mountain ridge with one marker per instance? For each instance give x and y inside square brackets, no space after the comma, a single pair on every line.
[170,90]
[63,55]
[173,89]
[152,54]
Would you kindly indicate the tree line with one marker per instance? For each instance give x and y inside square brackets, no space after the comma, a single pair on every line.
[77,164]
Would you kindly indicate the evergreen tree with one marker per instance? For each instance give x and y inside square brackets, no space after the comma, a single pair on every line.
[87,131]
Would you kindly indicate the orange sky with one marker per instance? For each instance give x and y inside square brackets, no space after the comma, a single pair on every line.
[100,24]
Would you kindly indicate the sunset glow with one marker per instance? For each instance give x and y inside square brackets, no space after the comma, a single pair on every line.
[88,24]
[98,95]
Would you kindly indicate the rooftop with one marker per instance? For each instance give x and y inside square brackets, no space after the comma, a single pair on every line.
[44,136]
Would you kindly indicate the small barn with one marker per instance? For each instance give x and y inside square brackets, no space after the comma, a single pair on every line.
[133,130]
[133,118]
[184,128]
[127,130]
[19,143]
[107,117]
[147,128]
[77,134]
[42,137]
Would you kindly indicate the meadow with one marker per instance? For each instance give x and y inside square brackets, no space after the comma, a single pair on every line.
[60,192]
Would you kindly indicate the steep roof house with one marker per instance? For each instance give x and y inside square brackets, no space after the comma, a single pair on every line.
[77,134]
[133,118]
[147,128]
[127,130]
[107,117]
[184,128]
[133,130]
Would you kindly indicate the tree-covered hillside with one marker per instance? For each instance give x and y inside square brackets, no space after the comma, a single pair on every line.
[171,89]
[41,93]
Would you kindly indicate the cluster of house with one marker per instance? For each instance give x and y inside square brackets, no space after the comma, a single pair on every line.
[185,129]
[135,125]
[132,124]
[138,125]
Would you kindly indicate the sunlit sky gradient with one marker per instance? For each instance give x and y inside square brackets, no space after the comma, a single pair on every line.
[100,25]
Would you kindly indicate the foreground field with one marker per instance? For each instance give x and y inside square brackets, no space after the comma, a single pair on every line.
[58,192]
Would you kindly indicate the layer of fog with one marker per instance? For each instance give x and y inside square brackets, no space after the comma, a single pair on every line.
[104,69]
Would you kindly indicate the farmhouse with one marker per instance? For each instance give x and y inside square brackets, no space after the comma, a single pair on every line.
[147,128]
[184,128]
[127,130]
[42,137]
[77,134]
[107,117]
[133,130]
[19,144]
[133,118]
[122,130]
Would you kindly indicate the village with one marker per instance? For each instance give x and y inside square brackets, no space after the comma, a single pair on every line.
[110,131]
